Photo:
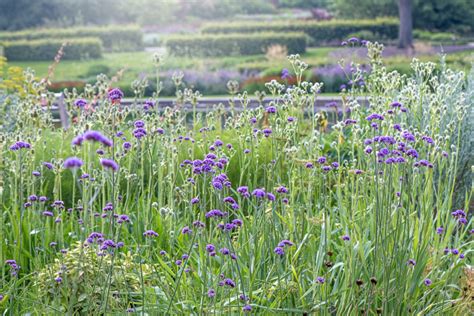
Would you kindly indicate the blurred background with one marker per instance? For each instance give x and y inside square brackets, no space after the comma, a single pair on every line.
[209,42]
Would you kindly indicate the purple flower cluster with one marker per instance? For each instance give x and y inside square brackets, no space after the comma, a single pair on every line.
[20,145]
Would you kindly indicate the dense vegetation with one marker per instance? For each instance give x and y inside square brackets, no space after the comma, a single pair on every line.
[453,15]
[275,209]
[320,32]
[47,49]
[234,44]
[113,38]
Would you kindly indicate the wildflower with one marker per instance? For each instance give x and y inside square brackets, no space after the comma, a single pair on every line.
[439,230]
[271,197]
[20,145]
[462,221]
[127,146]
[48,165]
[48,214]
[267,132]
[224,251]
[285,242]
[210,248]
[109,164]
[320,280]
[229,282]
[58,279]
[458,214]
[353,40]
[285,74]
[396,104]
[211,293]
[178,262]
[279,251]
[271,109]
[115,95]
[258,193]
[326,168]
[97,137]
[150,233]
[247,308]
[411,262]
[346,238]
[123,219]
[73,163]
[138,133]
[195,200]
[427,282]
[186,230]
[80,103]
[408,136]
[455,251]
[374,116]
[199,224]
[148,104]
[290,119]
[215,213]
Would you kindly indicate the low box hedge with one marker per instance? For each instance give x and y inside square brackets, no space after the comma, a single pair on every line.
[234,44]
[320,32]
[114,38]
[46,49]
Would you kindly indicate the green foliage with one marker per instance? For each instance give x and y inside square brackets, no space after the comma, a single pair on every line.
[307,4]
[428,14]
[234,44]
[434,36]
[457,15]
[46,49]
[83,275]
[320,32]
[115,38]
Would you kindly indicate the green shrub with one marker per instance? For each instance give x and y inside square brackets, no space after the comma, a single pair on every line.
[234,44]
[115,38]
[321,33]
[434,36]
[46,49]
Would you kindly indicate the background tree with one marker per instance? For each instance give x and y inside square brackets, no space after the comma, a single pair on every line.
[405,30]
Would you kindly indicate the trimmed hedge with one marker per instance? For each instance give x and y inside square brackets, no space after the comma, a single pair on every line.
[46,49]
[234,44]
[114,38]
[320,32]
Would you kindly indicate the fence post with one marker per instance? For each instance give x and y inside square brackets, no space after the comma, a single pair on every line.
[62,112]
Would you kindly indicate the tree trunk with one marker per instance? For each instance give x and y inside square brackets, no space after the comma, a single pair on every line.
[405,31]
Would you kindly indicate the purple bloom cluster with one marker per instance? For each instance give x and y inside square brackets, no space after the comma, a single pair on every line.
[20,145]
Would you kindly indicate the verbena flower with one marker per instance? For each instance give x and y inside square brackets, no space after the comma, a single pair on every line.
[109,164]
[80,103]
[72,163]
[115,95]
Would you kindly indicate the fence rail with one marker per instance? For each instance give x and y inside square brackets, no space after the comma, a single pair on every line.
[203,105]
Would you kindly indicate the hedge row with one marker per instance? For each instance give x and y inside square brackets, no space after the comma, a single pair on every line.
[234,44]
[46,49]
[114,38]
[320,32]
